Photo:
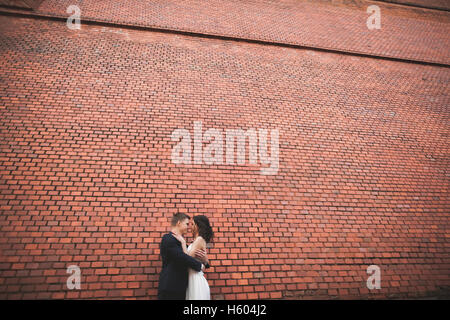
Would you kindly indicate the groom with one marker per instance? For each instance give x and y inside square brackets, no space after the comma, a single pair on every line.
[173,279]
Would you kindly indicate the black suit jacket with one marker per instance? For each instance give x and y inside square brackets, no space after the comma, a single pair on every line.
[175,264]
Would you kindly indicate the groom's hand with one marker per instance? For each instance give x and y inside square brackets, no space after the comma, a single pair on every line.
[201,255]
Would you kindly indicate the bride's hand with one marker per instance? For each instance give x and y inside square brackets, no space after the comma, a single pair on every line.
[201,255]
[180,238]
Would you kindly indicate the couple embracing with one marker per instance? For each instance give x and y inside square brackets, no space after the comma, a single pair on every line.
[181,277]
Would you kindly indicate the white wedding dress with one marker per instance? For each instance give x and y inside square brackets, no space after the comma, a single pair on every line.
[198,288]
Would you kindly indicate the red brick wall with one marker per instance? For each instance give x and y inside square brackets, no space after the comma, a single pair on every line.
[26,4]
[86,118]
[405,32]
[433,4]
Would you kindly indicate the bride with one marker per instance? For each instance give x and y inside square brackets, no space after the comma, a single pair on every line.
[198,288]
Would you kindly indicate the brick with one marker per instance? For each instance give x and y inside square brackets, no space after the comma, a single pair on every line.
[88,179]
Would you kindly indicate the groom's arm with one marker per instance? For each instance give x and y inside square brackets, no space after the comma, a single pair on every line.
[175,252]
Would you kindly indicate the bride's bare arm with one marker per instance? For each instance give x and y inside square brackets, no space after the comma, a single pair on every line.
[195,245]
[200,251]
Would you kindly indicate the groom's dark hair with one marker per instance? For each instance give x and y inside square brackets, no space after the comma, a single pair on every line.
[179,217]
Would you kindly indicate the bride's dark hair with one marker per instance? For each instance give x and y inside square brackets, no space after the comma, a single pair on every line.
[204,228]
